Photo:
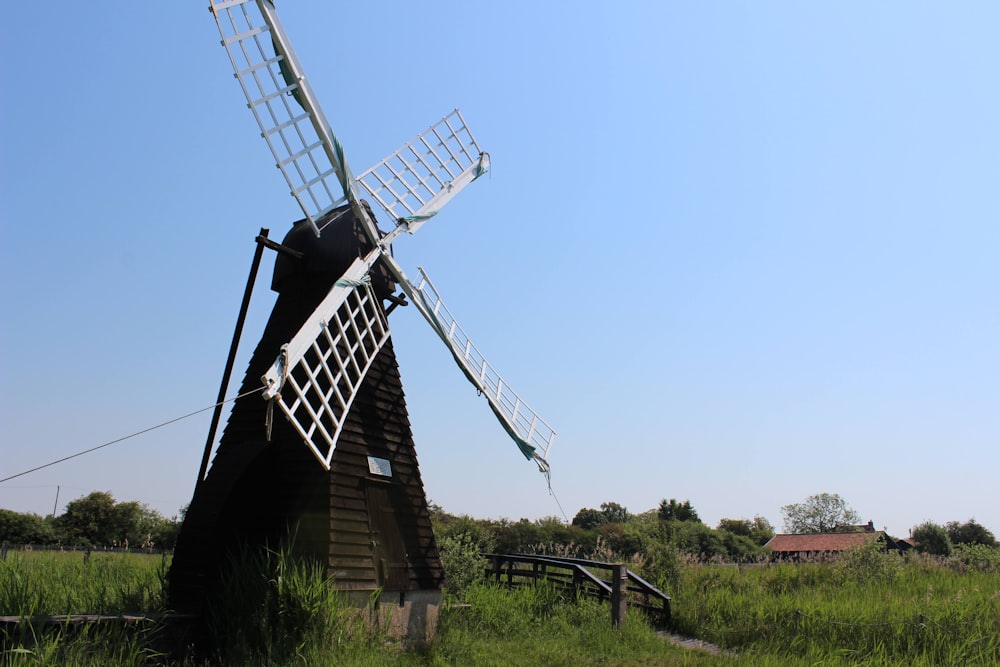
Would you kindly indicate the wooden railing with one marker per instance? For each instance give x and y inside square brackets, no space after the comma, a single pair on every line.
[577,576]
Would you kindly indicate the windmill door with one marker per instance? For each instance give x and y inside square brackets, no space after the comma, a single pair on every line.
[387,541]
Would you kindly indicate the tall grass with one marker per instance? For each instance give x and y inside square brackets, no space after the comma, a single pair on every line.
[869,608]
[272,608]
[83,646]
[539,626]
[63,582]
[46,583]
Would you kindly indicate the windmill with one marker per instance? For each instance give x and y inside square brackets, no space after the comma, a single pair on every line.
[328,452]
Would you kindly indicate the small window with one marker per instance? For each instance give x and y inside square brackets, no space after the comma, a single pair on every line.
[381,467]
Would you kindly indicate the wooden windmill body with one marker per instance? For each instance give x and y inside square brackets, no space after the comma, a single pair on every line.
[325,461]
[366,518]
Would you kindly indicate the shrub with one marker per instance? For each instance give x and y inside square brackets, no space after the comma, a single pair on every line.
[977,557]
[662,566]
[697,539]
[930,538]
[869,564]
[461,556]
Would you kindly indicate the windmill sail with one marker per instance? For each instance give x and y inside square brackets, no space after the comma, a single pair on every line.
[414,183]
[291,121]
[320,370]
[529,431]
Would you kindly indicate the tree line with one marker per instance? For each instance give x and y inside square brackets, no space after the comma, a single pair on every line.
[612,530]
[609,531]
[96,520]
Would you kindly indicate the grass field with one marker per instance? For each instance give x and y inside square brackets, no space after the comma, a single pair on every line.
[34,583]
[868,609]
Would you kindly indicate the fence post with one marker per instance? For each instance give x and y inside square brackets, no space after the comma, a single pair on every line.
[619,594]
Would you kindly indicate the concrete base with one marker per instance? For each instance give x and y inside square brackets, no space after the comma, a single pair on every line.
[409,617]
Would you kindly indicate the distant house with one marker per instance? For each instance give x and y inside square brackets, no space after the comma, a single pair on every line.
[819,545]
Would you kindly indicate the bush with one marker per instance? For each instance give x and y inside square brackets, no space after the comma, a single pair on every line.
[662,566]
[978,557]
[930,538]
[697,539]
[739,547]
[463,562]
[869,564]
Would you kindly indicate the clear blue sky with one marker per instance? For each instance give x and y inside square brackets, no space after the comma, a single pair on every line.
[737,254]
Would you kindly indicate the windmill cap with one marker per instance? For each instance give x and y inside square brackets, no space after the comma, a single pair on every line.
[325,258]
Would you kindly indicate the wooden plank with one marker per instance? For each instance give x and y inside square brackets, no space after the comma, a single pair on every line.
[340,549]
[345,515]
[355,537]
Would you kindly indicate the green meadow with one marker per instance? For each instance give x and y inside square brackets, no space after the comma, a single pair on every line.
[867,608]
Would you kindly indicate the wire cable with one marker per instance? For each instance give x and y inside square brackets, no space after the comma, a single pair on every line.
[555,498]
[132,435]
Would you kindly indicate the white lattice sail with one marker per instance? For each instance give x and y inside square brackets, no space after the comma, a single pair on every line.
[529,431]
[291,121]
[414,183]
[316,377]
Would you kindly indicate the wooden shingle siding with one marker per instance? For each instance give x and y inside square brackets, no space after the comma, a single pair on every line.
[261,493]
[378,425]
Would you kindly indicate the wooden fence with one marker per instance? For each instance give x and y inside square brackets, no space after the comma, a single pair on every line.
[577,576]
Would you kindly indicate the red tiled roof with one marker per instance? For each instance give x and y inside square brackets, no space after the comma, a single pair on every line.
[820,542]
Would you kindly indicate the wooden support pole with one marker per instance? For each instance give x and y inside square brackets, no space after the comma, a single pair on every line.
[619,594]
[261,241]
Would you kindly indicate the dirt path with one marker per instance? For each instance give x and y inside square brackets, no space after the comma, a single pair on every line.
[696,645]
